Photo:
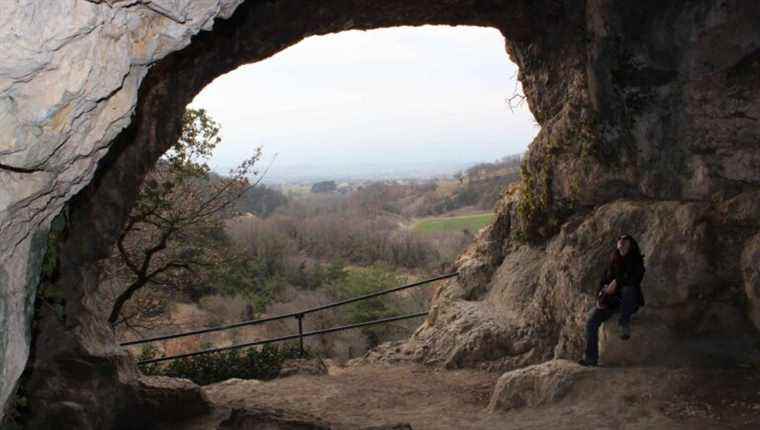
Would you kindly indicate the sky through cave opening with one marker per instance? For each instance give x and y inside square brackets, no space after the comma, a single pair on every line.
[378,104]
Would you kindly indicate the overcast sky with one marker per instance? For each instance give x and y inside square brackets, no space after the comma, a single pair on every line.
[393,95]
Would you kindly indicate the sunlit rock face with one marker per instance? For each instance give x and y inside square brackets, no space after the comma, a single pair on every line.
[68,85]
[649,122]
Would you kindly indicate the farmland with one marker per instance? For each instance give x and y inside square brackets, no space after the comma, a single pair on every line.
[471,223]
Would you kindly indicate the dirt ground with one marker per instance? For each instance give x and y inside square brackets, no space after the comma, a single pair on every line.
[438,399]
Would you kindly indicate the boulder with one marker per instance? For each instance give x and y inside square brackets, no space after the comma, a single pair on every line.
[652,342]
[536,385]
[303,366]
[171,399]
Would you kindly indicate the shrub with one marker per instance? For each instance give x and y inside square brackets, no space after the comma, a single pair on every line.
[366,281]
[264,362]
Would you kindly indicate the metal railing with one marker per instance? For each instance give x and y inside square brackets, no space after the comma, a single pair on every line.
[297,315]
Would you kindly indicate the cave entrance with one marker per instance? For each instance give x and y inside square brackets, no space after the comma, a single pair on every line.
[393,147]
[257,30]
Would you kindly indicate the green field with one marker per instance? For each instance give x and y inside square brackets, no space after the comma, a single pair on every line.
[473,223]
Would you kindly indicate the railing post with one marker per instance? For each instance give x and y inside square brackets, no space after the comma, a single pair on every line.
[298,315]
[300,332]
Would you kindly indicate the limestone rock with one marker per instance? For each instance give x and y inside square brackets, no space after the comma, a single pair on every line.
[651,342]
[171,399]
[219,392]
[536,304]
[68,86]
[302,366]
[536,385]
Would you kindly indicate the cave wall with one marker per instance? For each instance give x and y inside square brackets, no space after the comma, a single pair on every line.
[652,129]
[68,86]
[648,119]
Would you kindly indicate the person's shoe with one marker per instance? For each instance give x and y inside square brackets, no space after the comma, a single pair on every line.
[587,363]
[625,332]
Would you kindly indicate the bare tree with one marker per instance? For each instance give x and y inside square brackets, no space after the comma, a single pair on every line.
[173,237]
[517,99]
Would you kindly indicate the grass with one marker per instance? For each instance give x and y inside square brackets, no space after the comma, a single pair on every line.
[473,223]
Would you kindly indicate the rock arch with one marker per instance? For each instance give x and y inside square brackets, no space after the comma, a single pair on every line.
[652,103]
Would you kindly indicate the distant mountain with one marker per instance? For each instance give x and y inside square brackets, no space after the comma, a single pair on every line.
[310,173]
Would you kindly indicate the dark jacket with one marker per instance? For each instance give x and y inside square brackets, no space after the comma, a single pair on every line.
[628,271]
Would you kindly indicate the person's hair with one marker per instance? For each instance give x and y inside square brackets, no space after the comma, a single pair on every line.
[633,253]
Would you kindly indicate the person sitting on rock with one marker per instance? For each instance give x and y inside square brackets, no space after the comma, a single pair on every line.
[619,291]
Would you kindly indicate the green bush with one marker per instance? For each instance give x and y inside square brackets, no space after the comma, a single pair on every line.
[254,279]
[365,281]
[251,363]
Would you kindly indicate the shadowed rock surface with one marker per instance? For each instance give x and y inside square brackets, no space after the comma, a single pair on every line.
[649,121]
[534,305]
[302,366]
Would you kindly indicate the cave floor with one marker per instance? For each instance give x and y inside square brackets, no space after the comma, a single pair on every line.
[438,399]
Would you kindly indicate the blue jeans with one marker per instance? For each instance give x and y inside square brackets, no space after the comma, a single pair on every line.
[629,304]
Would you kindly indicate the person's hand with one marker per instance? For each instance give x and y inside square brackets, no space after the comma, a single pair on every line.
[612,287]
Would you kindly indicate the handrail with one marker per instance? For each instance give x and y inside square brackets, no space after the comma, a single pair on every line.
[282,338]
[298,315]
